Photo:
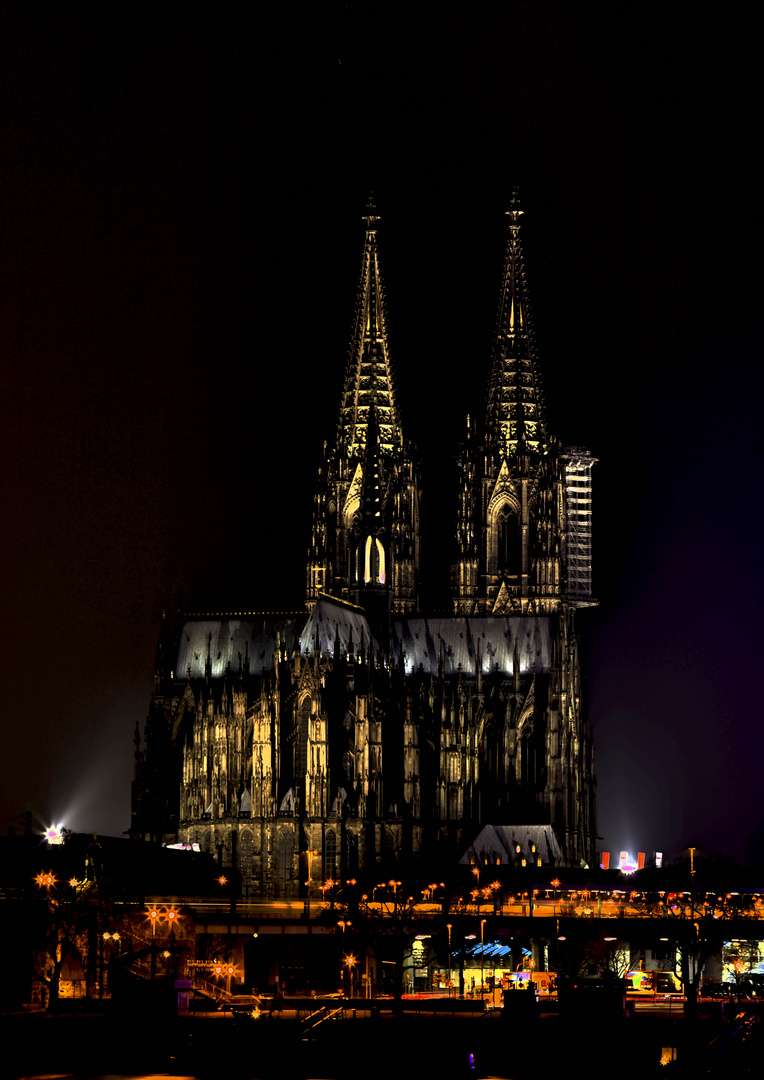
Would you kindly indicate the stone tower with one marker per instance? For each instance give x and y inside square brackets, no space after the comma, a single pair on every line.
[523,549]
[524,510]
[364,544]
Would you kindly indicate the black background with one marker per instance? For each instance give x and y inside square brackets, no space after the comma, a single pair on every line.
[182,192]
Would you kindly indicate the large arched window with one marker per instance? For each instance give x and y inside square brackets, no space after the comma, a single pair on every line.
[374,562]
[285,860]
[301,764]
[352,842]
[246,853]
[527,759]
[507,541]
[330,856]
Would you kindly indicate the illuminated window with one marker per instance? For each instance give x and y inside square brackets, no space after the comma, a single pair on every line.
[374,562]
[330,856]
[380,563]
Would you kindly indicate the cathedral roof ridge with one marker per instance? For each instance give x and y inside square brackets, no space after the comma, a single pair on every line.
[324,596]
[515,400]
[195,616]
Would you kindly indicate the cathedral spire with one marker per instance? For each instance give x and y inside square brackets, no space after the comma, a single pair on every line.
[515,410]
[364,542]
[369,375]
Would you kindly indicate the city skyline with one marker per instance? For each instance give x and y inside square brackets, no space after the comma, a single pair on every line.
[184,233]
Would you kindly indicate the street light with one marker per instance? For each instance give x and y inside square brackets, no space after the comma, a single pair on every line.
[555,883]
[349,963]
[153,917]
[449,925]
[225,971]
[476,872]
[482,925]
[395,885]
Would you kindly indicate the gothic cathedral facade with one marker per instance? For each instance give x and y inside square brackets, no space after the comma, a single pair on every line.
[368,737]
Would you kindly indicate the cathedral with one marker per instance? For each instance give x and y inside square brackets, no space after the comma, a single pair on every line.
[365,736]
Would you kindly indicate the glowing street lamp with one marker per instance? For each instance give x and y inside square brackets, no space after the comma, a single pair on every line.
[55,834]
[349,965]
[153,917]
[555,883]
[449,927]
[45,881]
[395,885]
[225,971]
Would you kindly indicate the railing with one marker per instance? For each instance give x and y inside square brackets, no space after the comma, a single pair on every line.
[320,1016]
[218,993]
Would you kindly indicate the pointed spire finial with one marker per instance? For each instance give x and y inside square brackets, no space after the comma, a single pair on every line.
[371,217]
[514,212]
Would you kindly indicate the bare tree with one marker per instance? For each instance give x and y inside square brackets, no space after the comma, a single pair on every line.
[68,916]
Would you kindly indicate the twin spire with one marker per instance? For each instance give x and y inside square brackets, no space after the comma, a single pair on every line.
[515,408]
[369,383]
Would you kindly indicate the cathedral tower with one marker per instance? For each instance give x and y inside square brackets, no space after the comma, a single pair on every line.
[523,551]
[364,544]
[524,511]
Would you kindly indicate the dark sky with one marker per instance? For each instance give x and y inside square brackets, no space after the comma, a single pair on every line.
[182,189]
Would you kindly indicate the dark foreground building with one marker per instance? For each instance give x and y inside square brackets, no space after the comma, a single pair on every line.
[366,735]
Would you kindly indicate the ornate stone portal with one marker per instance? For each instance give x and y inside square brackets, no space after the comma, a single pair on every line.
[364,738]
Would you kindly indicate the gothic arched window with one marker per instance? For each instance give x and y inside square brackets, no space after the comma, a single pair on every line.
[301,764]
[330,856]
[352,842]
[374,562]
[527,760]
[507,541]
[285,860]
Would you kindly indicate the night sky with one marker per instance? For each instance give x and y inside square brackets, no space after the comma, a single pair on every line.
[182,189]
